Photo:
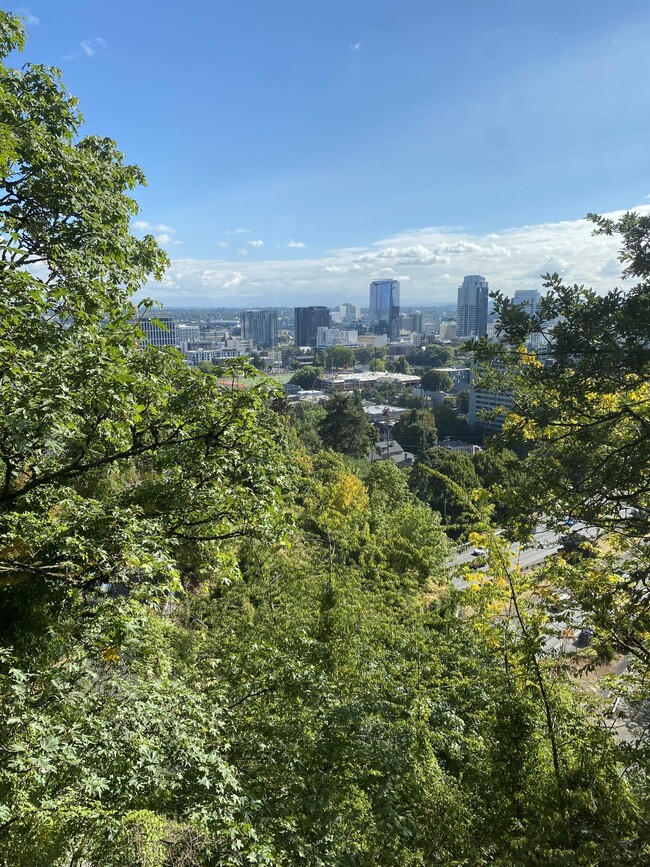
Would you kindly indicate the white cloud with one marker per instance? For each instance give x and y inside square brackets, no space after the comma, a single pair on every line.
[355,46]
[257,243]
[164,233]
[143,225]
[383,274]
[430,263]
[301,244]
[87,48]
[553,266]
[166,240]
[221,279]
[222,244]
[239,232]
[28,17]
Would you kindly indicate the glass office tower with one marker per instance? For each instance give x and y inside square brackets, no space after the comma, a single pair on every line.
[384,307]
[471,313]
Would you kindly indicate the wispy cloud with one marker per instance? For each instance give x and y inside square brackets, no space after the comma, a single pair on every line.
[296,244]
[162,233]
[222,244]
[87,48]
[28,17]
[143,225]
[165,238]
[256,243]
[430,262]
[239,232]
[355,46]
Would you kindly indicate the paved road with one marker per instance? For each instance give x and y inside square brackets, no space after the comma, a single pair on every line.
[546,542]
[562,635]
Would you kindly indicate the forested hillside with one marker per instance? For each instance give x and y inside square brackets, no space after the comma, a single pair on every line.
[222,644]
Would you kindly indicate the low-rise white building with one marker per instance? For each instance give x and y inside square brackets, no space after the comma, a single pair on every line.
[328,337]
[196,356]
[373,340]
[356,381]
[378,413]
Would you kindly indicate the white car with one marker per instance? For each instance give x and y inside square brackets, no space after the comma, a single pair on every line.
[479,552]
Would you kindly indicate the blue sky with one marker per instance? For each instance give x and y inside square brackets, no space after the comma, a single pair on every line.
[407,138]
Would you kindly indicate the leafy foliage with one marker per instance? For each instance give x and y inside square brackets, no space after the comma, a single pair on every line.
[345,427]
[221,645]
[436,380]
[307,376]
[445,480]
[452,426]
[337,357]
[416,430]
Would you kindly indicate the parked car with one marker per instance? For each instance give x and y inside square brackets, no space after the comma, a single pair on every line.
[585,637]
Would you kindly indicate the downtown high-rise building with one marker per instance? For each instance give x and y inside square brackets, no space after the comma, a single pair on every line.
[448,330]
[528,299]
[349,312]
[472,307]
[384,307]
[260,326]
[411,322]
[158,330]
[307,321]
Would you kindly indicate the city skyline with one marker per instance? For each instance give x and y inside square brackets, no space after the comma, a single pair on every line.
[430,264]
[289,163]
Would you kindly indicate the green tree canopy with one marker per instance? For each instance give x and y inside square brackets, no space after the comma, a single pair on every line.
[345,427]
[305,419]
[445,480]
[124,475]
[218,647]
[398,365]
[430,356]
[338,357]
[582,409]
[498,466]
[307,376]
[416,430]
[436,380]
[452,426]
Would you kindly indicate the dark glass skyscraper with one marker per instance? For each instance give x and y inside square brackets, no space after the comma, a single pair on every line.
[260,326]
[384,307]
[307,321]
